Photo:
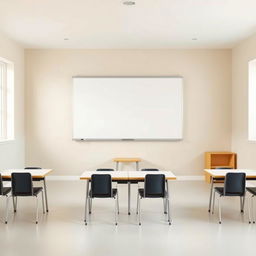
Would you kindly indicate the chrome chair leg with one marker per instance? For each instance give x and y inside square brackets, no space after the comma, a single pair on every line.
[116,209]
[253,214]
[249,208]
[13,202]
[36,209]
[213,202]
[43,202]
[165,205]
[220,209]
[90,205]
[243,202]
[7,209]
[139,206]
[117,199]
[168,211]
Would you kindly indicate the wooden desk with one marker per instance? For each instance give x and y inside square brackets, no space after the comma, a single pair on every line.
[37,175]
[220,174]
[126,176]
[127,160]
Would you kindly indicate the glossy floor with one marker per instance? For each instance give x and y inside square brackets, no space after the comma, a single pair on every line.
[62,231]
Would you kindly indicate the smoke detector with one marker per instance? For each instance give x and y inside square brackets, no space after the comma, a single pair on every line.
[128,2]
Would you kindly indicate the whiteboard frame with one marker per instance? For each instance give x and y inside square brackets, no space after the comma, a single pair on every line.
[131,139]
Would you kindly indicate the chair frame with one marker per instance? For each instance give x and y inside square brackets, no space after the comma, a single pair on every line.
[14,198]
[242,202]
[166,201]
[88,200]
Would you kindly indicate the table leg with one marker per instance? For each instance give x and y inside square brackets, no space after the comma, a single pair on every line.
[129,198]
[168,205]
[86,201]
[210,200]
[45,193]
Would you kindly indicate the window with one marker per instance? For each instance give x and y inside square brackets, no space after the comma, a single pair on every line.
[252,101]
[6,100]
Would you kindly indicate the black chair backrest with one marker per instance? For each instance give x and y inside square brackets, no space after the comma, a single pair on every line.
[105,170]
[1,185]
[154,185]
[150,170]
[22,184]
[29,168]
[101,185]
[235,183]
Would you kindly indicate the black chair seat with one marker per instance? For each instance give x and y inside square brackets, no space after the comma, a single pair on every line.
[6,191]
[114,191]
[252,190]
[141,193]
[36,191]
[220,191]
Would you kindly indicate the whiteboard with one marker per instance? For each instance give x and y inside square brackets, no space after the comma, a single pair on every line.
[127,108]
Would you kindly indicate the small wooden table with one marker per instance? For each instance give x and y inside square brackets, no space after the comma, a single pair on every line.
[37,175]
[127,160]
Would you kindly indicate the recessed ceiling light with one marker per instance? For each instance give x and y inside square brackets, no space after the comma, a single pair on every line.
[66,39]
[128,2]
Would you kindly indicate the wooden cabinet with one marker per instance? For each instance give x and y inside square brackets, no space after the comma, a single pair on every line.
[215,160]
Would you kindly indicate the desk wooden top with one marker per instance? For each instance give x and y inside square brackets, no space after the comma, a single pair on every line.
[221,173]
[128,175]
[36,173]
[115,175]
[123,159]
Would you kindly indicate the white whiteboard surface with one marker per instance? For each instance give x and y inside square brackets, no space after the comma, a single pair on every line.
[124,108]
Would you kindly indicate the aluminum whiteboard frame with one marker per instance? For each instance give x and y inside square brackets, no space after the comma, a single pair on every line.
[131,139]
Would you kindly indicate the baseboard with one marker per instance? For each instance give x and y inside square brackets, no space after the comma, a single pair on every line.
[179,178]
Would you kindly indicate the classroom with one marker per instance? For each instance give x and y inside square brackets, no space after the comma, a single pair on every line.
[127,127]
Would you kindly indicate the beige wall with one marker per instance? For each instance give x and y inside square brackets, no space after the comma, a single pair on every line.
[12,152]
[246,150]
[207,124]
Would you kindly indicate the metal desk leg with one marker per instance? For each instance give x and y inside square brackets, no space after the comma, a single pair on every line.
[210,200]
[45,193]
[129,198]
[86,201]
[117,164]
[168,203]
[137,166]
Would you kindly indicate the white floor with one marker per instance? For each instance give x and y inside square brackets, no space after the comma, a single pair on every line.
[62,231]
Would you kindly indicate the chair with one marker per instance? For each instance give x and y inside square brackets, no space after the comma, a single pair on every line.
[4,191]
[100,170]
[155,170]
[101,187]
[22,185]
[252,191]
[154,187]
[234,185]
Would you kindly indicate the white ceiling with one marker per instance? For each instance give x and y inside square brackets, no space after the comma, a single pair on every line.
[110,24]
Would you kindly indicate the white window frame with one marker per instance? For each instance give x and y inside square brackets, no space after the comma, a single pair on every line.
[6,100]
